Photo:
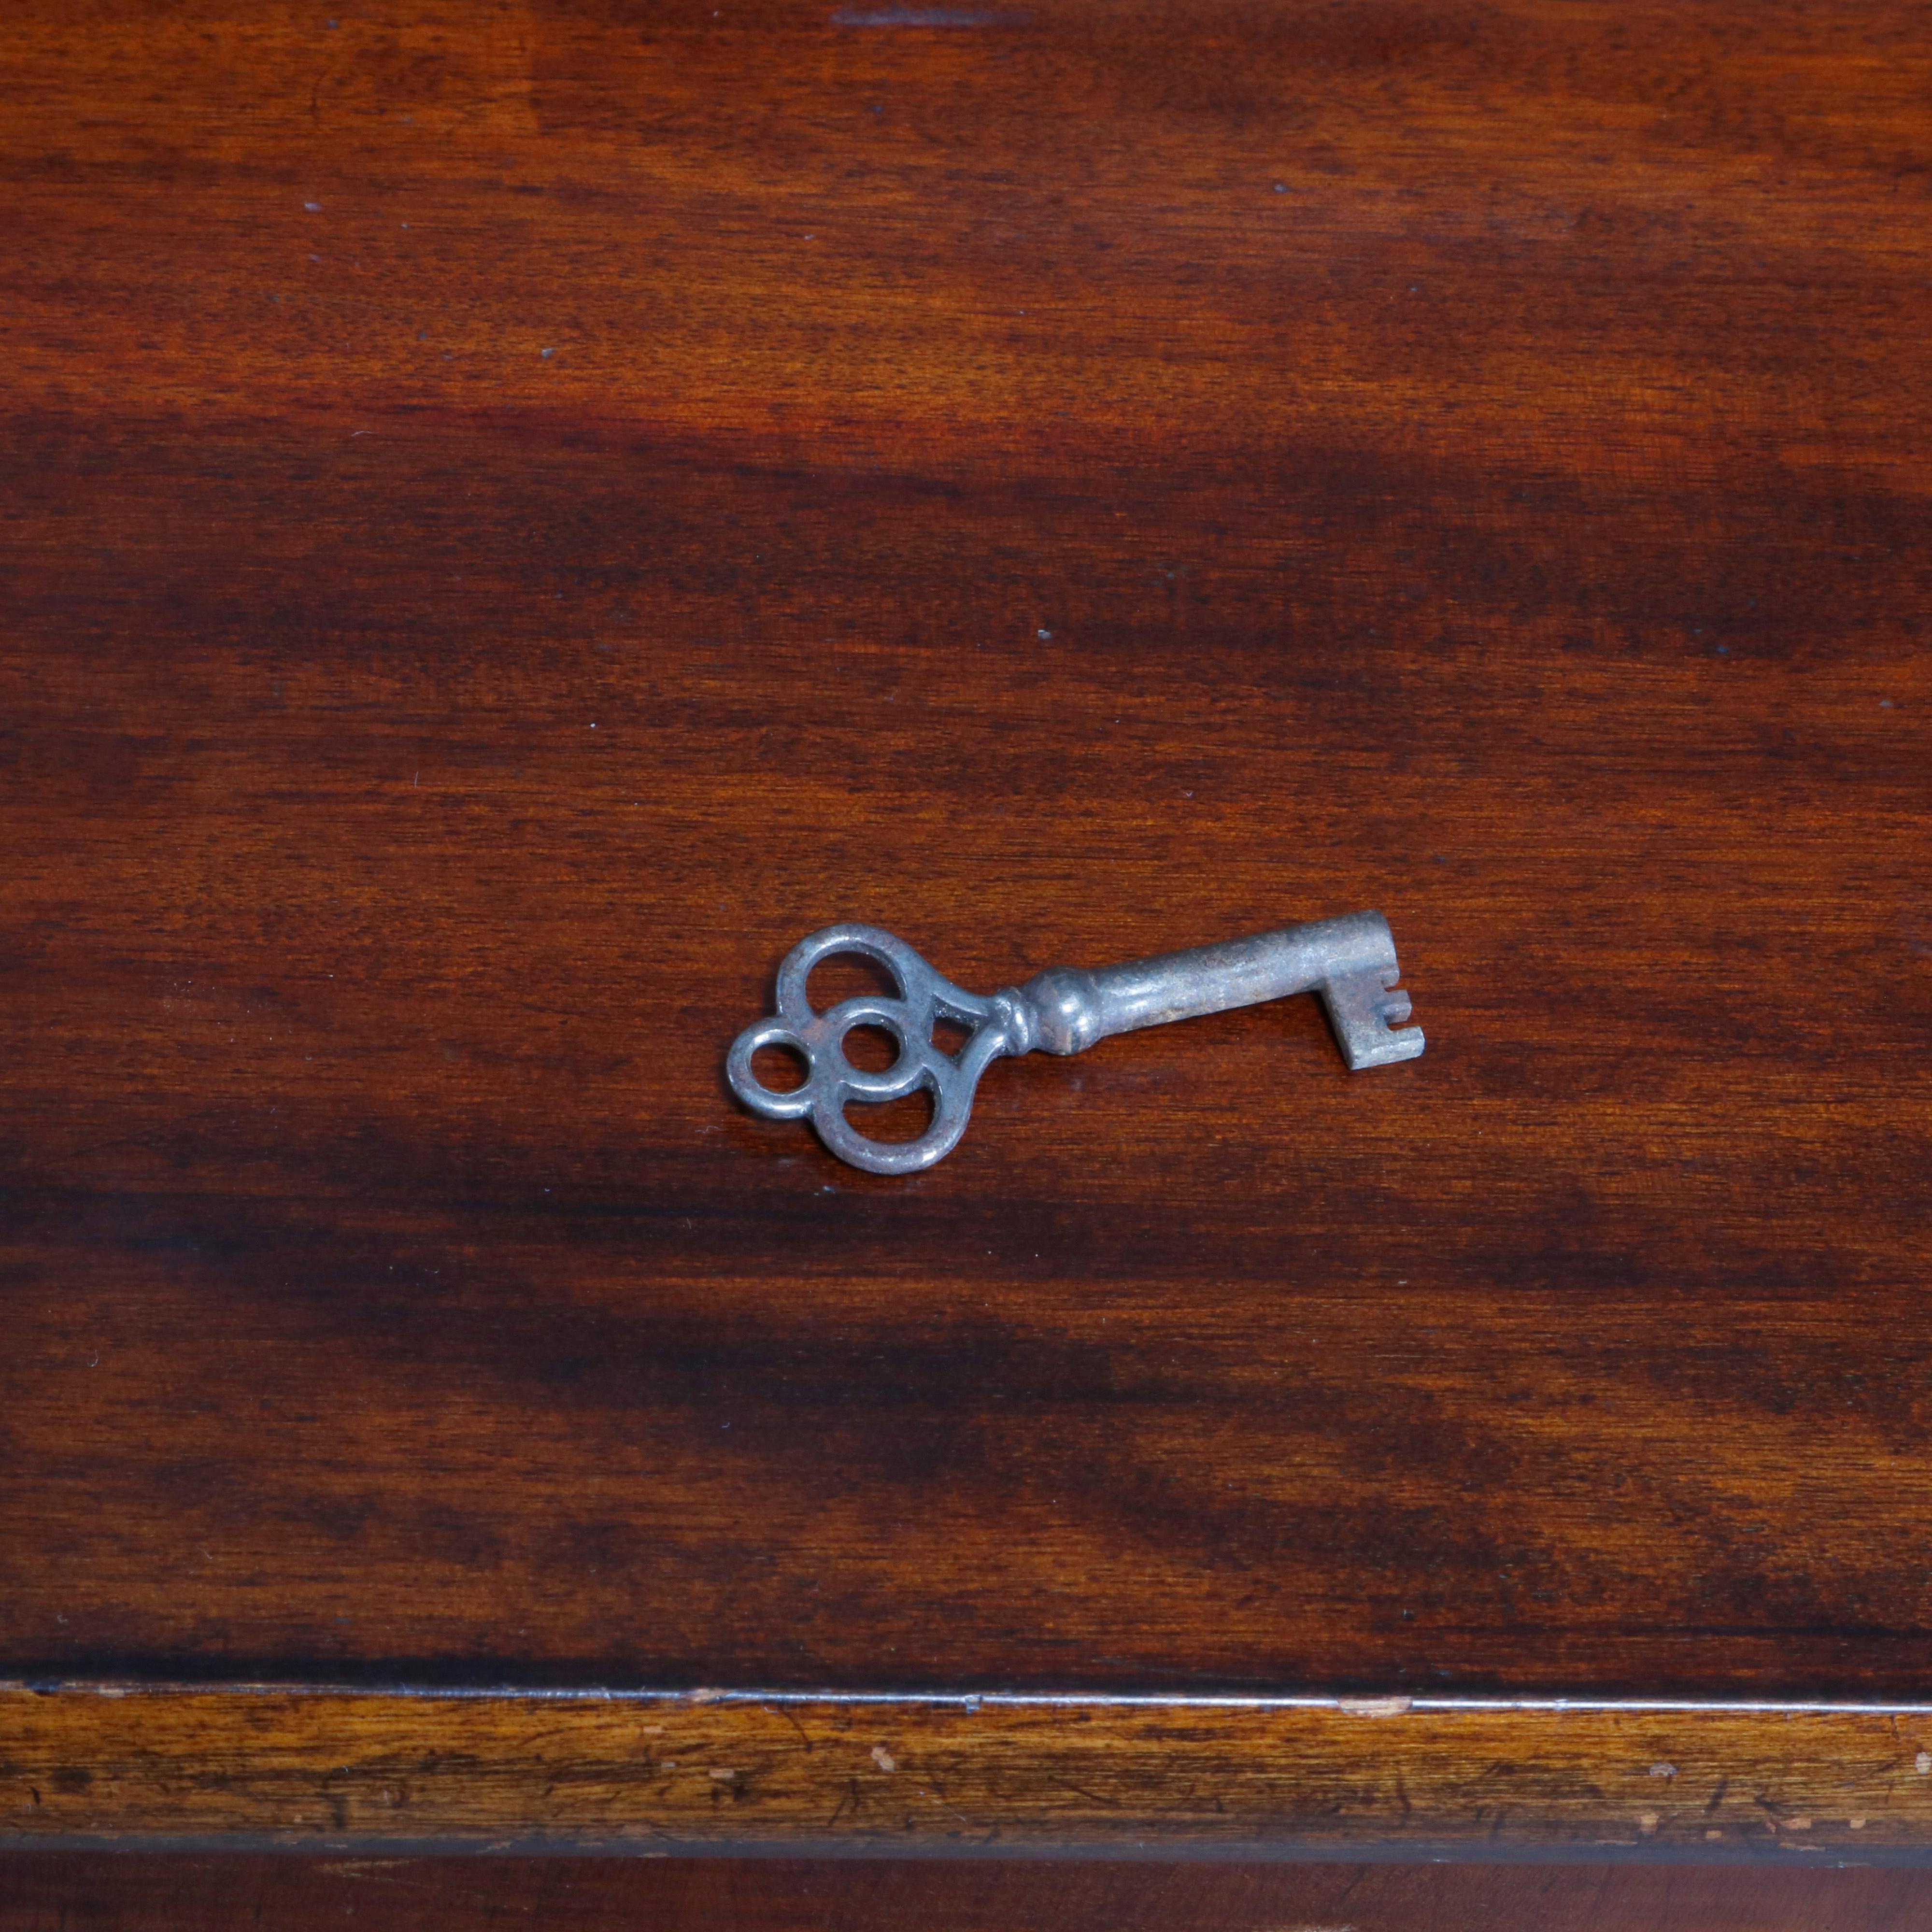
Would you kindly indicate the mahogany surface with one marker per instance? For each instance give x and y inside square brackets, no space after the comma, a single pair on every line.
[55,1893]
[515,514]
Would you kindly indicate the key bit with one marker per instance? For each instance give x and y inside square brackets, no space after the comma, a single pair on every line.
[1349,961]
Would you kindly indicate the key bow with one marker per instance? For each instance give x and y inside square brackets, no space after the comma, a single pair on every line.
[924,997]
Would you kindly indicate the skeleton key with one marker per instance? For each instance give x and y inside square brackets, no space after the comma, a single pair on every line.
[1350,962]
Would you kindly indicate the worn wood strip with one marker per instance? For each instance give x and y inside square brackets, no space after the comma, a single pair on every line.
[1387,1776]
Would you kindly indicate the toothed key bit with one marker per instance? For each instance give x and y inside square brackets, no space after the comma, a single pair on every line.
[1350,962]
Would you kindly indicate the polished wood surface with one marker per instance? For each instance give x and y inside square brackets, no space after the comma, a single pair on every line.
[514,515]
[44,1893]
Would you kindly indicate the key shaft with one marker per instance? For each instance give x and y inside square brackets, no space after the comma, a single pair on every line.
[1350,961]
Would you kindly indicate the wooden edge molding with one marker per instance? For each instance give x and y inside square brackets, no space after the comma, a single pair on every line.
[1308,1777]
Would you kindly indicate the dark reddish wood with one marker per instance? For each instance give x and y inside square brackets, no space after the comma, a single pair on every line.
[514,515]
[63,1893]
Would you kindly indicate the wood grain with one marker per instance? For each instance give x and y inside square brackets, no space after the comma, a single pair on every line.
[164,1892]
[514,515]
[491,1772]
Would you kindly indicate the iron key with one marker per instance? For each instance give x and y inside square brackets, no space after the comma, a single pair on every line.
[1350,962]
